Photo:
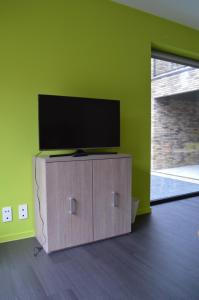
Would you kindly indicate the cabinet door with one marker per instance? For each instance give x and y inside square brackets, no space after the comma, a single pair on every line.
[111,197]
[69,204]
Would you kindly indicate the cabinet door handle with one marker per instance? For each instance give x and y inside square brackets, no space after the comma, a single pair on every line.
[115,199]
[73,206]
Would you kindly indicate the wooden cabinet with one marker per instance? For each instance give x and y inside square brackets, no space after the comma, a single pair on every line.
[111,197]
[80,200]
[69,203]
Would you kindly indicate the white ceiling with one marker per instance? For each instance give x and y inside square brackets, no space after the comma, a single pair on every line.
[185,12]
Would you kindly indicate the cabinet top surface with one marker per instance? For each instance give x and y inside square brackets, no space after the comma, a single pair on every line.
[84,158]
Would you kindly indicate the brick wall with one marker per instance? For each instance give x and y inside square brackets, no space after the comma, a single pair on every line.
[175,119]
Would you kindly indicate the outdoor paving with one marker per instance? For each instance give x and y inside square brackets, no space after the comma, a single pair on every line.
[191,171]
[164,187]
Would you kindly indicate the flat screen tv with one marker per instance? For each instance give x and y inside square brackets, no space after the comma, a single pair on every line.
[75,123]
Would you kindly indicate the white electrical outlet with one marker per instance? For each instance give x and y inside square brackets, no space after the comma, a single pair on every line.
[23,211]
[7,214]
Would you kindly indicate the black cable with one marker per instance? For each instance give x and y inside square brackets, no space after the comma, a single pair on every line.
[39,205]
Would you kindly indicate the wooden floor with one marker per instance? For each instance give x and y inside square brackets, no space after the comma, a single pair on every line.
[159,260]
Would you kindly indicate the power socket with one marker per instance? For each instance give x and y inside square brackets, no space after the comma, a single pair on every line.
[23,211]
[7,214]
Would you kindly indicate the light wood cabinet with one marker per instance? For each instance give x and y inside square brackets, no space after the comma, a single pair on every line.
[69,203]
[111,197]
[80,200]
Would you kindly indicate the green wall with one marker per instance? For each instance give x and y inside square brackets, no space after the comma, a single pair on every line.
[90,48]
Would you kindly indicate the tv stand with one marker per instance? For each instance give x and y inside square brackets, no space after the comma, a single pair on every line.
[77,153]
[79,200]
[81,152]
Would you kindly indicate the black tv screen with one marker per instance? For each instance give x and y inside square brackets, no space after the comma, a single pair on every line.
[75,123]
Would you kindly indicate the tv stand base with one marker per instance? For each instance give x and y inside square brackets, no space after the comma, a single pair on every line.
[80,152]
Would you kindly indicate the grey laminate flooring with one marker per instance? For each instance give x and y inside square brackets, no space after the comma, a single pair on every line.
[159,260]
